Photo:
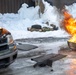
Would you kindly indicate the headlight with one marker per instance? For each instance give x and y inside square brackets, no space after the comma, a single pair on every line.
[10,39]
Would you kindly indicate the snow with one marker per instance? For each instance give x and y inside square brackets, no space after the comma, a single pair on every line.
[27,16]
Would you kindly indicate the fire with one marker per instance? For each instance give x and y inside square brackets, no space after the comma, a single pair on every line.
[69,24]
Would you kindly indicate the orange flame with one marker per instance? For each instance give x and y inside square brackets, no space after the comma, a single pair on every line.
[69,24]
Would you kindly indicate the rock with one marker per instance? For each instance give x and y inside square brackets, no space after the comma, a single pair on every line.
[47,23]
[47,29]
[54,27]
[36,26]
[39,28]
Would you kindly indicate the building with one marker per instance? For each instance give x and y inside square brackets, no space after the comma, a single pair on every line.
[12,6]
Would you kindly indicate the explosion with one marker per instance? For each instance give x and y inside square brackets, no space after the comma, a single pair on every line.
[69,24]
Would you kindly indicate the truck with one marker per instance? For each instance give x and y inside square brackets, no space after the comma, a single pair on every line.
[8,50]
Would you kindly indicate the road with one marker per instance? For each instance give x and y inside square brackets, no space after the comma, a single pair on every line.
[24,66]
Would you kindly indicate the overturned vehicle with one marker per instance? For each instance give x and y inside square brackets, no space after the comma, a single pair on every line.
[8,51]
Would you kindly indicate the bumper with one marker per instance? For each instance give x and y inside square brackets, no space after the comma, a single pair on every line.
[8,58]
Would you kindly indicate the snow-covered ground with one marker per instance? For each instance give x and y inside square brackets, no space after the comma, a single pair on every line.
[24,66]
[17,23]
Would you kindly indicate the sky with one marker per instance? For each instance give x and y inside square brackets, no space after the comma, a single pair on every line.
[18,23]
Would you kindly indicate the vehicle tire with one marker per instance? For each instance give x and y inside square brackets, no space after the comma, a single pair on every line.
[4,66]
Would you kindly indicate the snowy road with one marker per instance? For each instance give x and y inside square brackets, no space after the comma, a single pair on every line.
[24,66]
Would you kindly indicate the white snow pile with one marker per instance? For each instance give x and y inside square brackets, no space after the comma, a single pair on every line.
[27,16]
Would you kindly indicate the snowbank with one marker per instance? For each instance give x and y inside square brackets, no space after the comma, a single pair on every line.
[17,23]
